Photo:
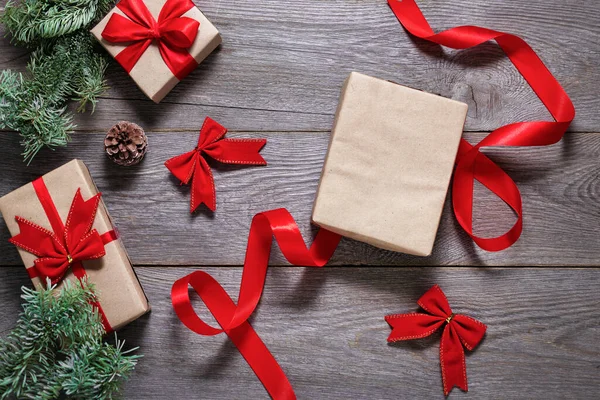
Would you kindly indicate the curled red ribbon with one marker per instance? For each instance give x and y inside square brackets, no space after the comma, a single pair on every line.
[68,245]
[459,330]
[173,33]
[193,166]
[471,164]
[233,318]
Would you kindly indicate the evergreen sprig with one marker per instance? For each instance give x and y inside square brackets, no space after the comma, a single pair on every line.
[56,349]
[64,65]
[31,21]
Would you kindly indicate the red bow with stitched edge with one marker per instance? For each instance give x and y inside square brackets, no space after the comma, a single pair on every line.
[471,164]
[193,166]
[233,318]
[173,33]
[78,241]
[459,330]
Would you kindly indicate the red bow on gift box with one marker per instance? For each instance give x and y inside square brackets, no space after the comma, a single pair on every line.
[173,33]
[69,244]
[193,166]
[77,242]
[459,330]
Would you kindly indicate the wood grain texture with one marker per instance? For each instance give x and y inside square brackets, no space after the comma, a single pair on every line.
[281,65]
[559,185]
[326,329]
[278,75]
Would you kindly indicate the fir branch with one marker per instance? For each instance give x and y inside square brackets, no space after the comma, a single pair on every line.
[31,21]
[56,349]
[34,104]
[64,66]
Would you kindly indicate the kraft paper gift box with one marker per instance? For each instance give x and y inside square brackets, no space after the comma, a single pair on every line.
[150,72]
[120,294]
[389,164]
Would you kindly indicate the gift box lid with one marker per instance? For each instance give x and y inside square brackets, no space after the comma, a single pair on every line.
[389,164]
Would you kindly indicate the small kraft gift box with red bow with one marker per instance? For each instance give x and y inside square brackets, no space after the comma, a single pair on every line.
[63,231]
[158,42]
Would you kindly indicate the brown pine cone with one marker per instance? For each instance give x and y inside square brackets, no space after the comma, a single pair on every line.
[126,143]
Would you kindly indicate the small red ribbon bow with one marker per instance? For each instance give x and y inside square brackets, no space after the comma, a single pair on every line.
[193,166]
[173,33]
[78,241]
[459,330]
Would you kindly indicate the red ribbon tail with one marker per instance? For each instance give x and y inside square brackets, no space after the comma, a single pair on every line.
[203,187]
[452,361]
[412,326]
[263,363]
[237,151]
[130,55]
[178,60]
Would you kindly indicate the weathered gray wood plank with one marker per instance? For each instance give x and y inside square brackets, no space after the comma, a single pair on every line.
[281,65]
[326,329]
[559,185]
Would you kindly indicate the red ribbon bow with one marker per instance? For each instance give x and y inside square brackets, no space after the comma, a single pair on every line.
[232,318]
[193,166]
[68,245]
[459,330]
[173,33]
[471,164]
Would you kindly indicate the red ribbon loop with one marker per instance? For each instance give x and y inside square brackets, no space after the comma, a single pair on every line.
[459,330]
[68,245]
[471,164]
[232,318]
[193,166]
[173,33]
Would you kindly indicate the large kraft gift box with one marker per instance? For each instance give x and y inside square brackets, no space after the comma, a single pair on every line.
[119,292]
[389,164]
[150,72]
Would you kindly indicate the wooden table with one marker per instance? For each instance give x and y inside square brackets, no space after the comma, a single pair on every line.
[278,75]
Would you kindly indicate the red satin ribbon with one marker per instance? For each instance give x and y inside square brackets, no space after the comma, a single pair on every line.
[471,164]
[193,166]
[232,318]
[459,330]
[173,33]
[68,245]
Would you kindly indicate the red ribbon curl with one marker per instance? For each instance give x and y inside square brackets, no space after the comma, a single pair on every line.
[193,166]
[173,33]
[471,164]
[68,245]
[459,330]
[233,318]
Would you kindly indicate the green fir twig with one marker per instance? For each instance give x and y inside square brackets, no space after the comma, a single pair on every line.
[56,349]
[64,66]
[31,22]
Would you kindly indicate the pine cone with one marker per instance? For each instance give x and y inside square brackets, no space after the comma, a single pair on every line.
[126,143]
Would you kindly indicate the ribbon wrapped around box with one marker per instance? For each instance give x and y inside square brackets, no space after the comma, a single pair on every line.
[158,42]
[63,231]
